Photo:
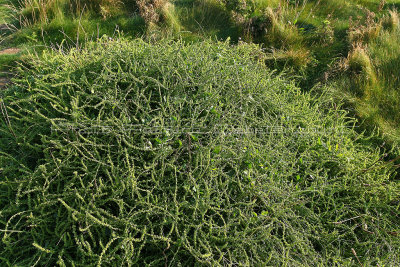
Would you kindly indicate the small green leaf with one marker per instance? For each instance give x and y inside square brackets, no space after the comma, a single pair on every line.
[193,137]
[179,143]
[264,213]
[217,149]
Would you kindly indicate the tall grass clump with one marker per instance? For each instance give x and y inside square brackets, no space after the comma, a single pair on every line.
[278,32]
[132,153]
[361,68]
[366,30]
[391,21]
[270,26]
[384,55]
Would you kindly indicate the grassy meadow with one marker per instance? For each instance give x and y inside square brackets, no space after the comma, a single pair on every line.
[199,133]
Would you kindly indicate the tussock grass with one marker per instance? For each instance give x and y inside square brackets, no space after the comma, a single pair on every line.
[292,59]
[278,32]
[359,63]
[391,21]
[131,153]
[170,18]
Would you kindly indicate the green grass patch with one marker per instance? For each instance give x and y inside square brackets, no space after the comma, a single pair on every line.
[6,61]
[385,95]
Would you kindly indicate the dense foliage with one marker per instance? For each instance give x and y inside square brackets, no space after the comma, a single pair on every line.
[131,153]
[350,45]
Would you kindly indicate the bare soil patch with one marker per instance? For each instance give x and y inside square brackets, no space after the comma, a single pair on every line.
[10,51]
[4,81]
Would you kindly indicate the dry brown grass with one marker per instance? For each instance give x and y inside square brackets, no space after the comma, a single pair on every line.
[364,31]
[149,9]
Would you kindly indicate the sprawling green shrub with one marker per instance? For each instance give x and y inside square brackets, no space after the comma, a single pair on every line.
[130,153]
